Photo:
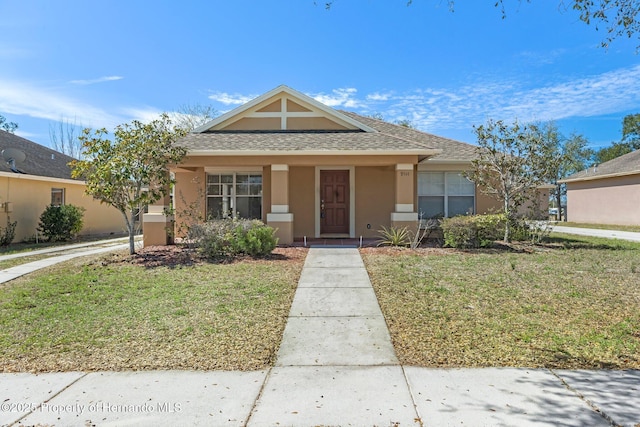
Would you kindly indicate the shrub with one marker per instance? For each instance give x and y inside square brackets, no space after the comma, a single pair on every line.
[61,222]
[474,231]
[231,237]
[7,234]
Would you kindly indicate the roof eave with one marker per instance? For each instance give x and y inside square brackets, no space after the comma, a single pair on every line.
[596,177]
[261,153]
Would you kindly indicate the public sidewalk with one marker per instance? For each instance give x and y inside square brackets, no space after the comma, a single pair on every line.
[336,366]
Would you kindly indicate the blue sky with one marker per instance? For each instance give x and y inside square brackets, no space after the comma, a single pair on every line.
[101,63]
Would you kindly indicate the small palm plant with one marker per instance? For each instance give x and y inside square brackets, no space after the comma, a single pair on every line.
[394,236]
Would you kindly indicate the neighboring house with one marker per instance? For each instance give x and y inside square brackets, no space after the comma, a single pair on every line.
[32,177]
[309,170]
[608,193]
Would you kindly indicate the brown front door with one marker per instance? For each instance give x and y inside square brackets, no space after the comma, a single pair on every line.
[334,202]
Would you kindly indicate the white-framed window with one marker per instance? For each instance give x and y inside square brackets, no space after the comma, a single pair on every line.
[445,194]
[57,196]
[234,195]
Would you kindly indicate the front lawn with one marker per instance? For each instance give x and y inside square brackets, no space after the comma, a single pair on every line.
[109,313]
[572,304]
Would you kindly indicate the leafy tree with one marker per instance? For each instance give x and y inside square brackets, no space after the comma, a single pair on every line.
[561,157]
[630,140]
[191,116]
[619,17]
[616,149]
[130,172]
[7,126]
[508,166]
[631,130]
[406,123]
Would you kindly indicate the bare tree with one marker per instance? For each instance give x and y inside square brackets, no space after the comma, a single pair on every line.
[64,137]
[191,116]
[7,126]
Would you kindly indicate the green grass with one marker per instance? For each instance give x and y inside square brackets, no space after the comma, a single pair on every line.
[96,314]
[635,228]
[573,304]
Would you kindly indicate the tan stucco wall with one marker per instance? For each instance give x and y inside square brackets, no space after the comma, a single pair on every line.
[279,188]
[605,201]
[189,199]
[255,123]
[266,192]
[29,196]
[375,199]
[312,123]
[302,200]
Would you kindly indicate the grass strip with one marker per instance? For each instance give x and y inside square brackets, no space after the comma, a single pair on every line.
[572,304]
[103,313]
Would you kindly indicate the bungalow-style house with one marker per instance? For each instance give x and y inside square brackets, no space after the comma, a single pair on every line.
[309,170]
[608,193]
[32,177]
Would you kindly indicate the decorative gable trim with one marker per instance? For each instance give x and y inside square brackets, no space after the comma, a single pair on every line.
[293,104]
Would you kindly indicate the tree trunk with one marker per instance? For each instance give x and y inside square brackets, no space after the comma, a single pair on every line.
[132,232]
[507,226]
[559,200]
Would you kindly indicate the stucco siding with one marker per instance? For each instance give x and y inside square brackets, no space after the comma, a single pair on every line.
[302,200]
[605,201]
[374,199]
[28,197]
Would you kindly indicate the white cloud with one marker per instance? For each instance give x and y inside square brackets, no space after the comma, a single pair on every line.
[343,97]
[144,115]
[98,80]
[433,109]
[437,109]
[46,103]
[378,96]
[231,99]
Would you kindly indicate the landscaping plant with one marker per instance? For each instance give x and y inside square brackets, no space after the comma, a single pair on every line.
[61,222]
[227,238]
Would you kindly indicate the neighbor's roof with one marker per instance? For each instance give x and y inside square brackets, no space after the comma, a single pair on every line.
[628,164]
[39,160]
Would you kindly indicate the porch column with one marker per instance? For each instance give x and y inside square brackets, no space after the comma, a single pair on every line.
[405,214]
[280,218]
[157,226]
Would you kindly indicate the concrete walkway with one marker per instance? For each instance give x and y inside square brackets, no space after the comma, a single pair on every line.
[336,366]
[67,252]
[609,234]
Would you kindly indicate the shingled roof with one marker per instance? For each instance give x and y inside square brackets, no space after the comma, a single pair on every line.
[628,164]
[39,160]
[451,150]
[387,138]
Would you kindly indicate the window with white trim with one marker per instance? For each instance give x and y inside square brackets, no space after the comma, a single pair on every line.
[445,194]
[234,195]
[57,196]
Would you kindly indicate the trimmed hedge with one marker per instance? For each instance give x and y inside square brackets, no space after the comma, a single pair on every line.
[227,238]
[473,231]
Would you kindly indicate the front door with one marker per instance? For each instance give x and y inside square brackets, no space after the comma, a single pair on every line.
[334,202]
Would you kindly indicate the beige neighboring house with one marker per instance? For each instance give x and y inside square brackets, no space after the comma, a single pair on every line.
[309,170]
[608,193]
[42,178]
